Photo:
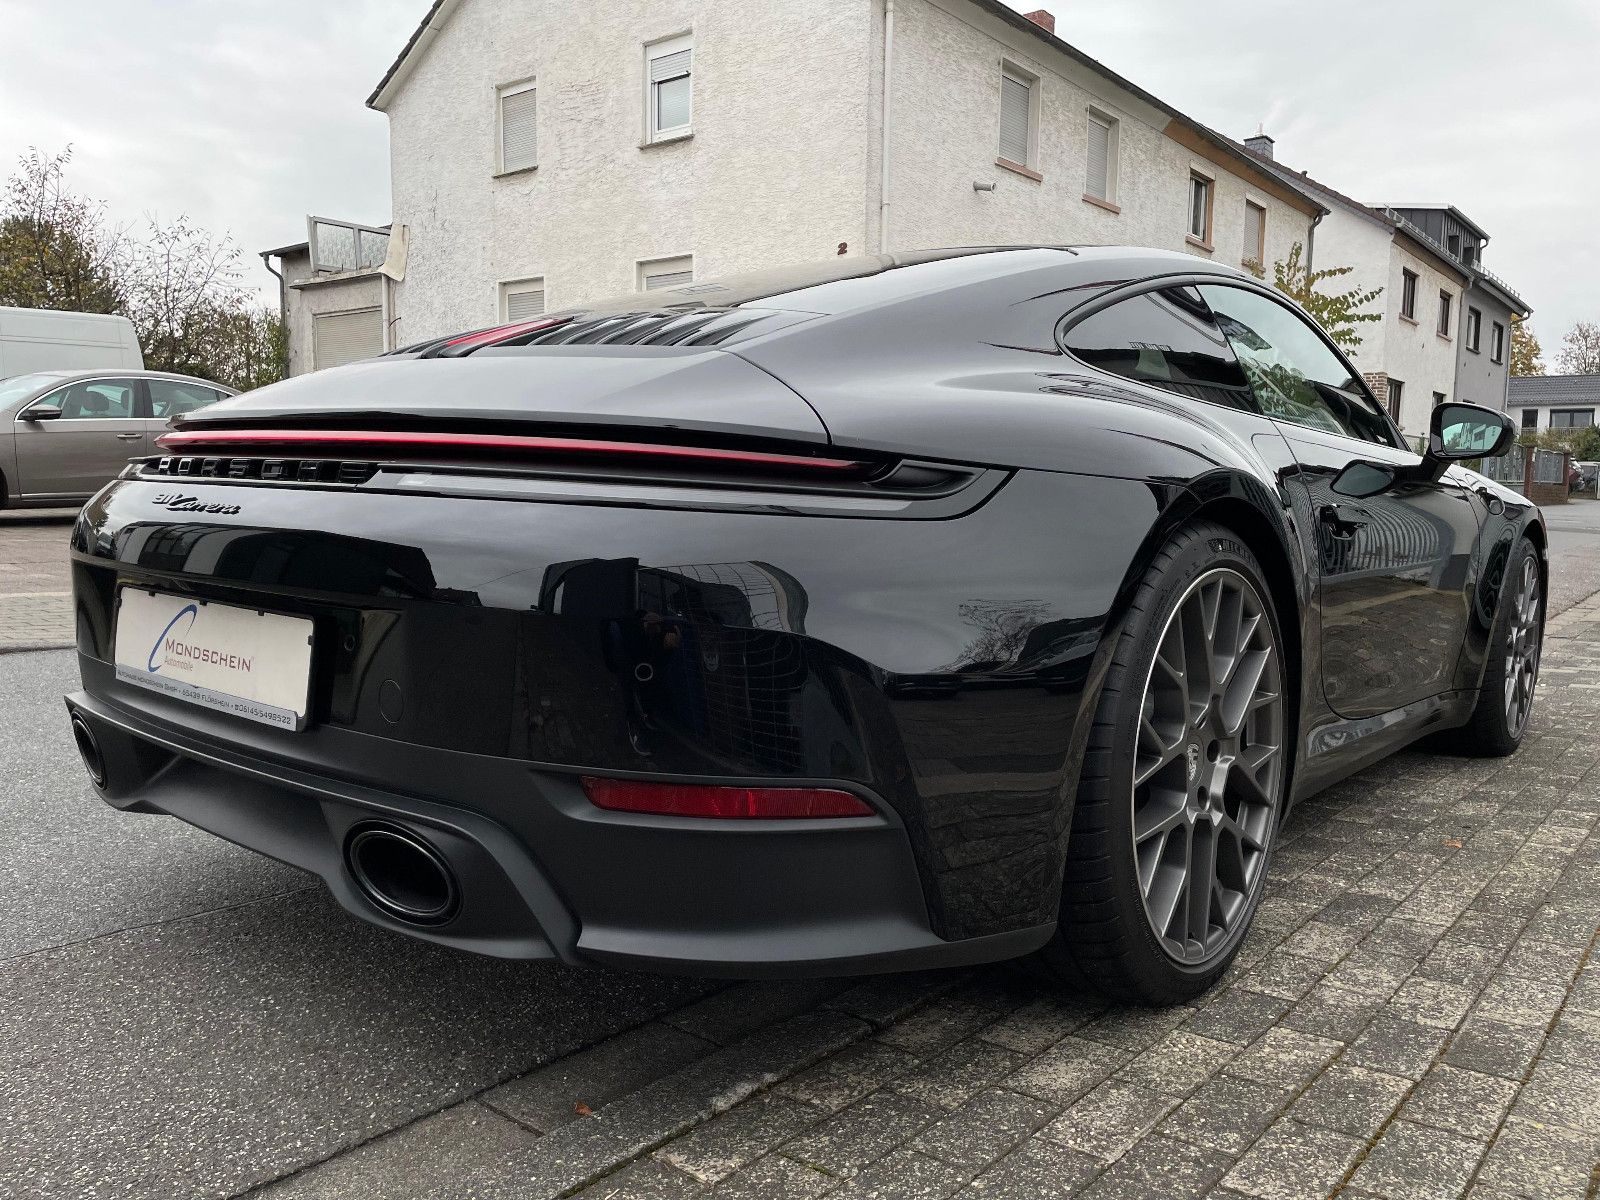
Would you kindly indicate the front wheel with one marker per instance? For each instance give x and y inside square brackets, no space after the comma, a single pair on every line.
[1183,781]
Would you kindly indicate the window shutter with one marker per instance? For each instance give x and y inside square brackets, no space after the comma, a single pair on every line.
[519,137]
[670,66]
[1098,175]
[524,303]
[339,338]
[671,279]
[1016,105]
[1255,229]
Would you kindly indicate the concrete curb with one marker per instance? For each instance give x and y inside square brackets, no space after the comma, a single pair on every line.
[25,647]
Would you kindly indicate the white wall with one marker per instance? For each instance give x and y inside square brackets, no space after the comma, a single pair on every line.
[1414,351]
[775,172]
[948,57]
[314,297]
[1410,351]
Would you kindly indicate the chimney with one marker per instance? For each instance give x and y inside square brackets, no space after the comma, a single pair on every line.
[1044,19]
[1259,144]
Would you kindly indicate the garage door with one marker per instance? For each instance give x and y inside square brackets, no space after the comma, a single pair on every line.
[339,338]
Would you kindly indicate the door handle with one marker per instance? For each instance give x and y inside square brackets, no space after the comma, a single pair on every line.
[129,437]
[1343,521]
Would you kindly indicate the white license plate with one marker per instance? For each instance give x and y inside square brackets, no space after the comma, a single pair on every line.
[255,665]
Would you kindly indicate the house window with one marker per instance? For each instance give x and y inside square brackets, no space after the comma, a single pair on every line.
[1200,197]
[1100,169]
[1474,329]
[1497,343]
[1571,418]
[1438,399]
[1255,234]
[521,299]
[1454,244]
[658,273]
[1396,390]
[1530,418]
[669,69]
[1446,303]
[519,138]
[1016,117]
[1408,294]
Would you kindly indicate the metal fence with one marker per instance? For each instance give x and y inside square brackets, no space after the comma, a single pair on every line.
[1549,466]
[1509,468]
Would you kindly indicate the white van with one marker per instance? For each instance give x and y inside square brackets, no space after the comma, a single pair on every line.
[37,339]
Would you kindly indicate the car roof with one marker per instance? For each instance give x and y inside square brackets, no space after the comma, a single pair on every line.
[124,373]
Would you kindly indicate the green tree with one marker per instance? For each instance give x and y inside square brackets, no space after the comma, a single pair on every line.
[56,249]
[1339,313]
[1526,353]
[180,285]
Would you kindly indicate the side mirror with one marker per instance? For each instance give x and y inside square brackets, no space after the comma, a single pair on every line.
[40,414]
[1461,431]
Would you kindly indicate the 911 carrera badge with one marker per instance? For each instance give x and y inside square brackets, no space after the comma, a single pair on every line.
[178,502]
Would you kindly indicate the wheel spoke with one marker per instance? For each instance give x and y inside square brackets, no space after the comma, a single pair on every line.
[1202,878]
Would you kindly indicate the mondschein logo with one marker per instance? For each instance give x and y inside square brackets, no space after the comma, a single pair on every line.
[188,610]
[172,645]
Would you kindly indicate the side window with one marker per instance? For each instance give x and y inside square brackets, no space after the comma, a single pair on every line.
[93,400]
[1296,377]
[1168,339]
[171,399]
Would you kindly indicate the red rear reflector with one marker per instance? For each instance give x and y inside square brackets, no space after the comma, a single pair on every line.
[488,337]
[315,441]
[692,800]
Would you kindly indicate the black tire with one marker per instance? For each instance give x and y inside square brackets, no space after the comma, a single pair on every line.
[1494,730]
[1104,938]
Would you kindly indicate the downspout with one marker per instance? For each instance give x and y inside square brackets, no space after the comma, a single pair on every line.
[888,115]
[1311,240]
[283,312]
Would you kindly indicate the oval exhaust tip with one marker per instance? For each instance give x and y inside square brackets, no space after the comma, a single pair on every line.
[402,874]
[89,750]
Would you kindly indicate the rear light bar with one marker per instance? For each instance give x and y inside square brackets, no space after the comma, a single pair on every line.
[501,333]
[737,803]
[413,444]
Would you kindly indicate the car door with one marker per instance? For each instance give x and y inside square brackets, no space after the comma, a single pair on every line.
[1397,568]
[72,441]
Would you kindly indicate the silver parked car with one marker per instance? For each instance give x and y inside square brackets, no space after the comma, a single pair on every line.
[65,434]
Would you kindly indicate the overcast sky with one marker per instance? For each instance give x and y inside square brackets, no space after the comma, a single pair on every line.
[247,114]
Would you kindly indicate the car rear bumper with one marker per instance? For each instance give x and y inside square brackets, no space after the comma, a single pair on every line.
[473,657]
[549,875]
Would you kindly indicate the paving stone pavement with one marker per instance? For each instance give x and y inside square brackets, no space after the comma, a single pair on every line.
[1416,1013]
[35,583]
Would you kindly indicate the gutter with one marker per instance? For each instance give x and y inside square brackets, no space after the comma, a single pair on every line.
[884,180]
[283,309]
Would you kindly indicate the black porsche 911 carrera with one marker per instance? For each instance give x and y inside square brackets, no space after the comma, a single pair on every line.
[897,612]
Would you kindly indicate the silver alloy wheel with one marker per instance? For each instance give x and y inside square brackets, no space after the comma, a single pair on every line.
[1522,649]
[1208,767]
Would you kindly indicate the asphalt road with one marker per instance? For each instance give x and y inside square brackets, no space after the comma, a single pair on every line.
[1574,552]
[185,1018]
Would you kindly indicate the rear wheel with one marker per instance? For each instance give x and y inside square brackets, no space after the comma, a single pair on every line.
[1505,700]
[1183,782]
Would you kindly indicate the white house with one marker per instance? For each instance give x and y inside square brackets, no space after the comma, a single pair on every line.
[544,155]
[1433,343]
